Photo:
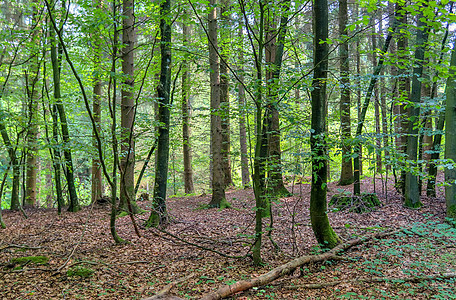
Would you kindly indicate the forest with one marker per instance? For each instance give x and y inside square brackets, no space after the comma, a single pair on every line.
[239,149]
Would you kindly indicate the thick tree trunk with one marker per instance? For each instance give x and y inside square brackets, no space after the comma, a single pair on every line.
[127,148]
[318,206]
[159,214]
[218,177]
[450,139]
[186,115]
[412,192]
[346,173]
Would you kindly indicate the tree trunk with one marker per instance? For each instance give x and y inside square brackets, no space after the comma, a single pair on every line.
[32,78]
[318,206]
[274,50]
[159,214]
[186,113]
[97,186]
[346,173]
[218,177]
[225,91]
[127,148]
[245,174]
[450,139]
[412,192]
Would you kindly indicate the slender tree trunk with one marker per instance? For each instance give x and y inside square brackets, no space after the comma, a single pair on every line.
[412,192]
[376,101]
[32,79]
[97,186]
[318,206]
[245,174]
[127,148]
[55,59]
[186,113]
[346,174]
[15,203]
[159,214]
[450,139]
[218,177]
[225,91]
[365,106]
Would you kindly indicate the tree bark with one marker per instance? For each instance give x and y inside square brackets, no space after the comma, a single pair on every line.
[412,192]
[97,186]
[218,177]
[346,173]
[318,206]
[127,148]
[159,215]
[245,174]
[186,113]
[450,139]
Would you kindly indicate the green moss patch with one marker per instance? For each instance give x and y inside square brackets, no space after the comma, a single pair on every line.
[355,203]
[80,271]
[19,262]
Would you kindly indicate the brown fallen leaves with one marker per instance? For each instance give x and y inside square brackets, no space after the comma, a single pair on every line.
[146,265]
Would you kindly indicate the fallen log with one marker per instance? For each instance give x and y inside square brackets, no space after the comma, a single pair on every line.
[277,272]
[289,267]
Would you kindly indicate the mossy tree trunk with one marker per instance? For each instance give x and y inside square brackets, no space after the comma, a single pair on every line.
[318,206]
[158,215]
[450,139]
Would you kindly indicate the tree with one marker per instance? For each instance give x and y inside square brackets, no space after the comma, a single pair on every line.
[218,177]
[127,148]
[412,191]
[186,112]
[346,173]
[450,141]
[225,90]
[318,207]
[32,79]
[158,215]
[97,192]
[245,174]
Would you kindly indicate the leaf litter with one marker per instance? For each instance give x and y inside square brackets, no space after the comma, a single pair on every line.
[204,245]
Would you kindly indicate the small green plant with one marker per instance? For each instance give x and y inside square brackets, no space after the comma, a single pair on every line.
[80,271]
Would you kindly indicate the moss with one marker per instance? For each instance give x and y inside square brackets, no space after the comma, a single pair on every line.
[38,260]
[223,204]
[451,211]
[364,203]
[80,271]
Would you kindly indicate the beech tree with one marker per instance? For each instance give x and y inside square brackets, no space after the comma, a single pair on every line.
[318,206]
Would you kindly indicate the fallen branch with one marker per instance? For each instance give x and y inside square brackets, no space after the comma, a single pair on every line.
[164,293]
[414,279]
[20,247]
[289,267]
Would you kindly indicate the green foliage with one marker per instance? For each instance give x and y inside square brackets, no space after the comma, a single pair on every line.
[80,272]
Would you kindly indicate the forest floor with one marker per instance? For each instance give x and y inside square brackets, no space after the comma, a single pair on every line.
[390,268]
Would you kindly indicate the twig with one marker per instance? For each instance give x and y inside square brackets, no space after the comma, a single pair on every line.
[19,246]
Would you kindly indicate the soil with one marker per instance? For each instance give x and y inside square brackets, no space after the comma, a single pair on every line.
[148,263]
